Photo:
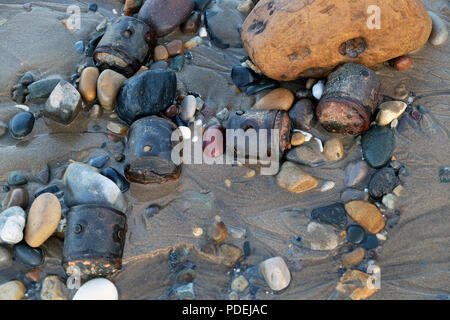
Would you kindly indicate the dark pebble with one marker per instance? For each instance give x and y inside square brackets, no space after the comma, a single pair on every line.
[16,178]
[159,65]
[171,111]
[382,183]
[371,242]
[302,115]
[42,88]
[416,115]
[355,234]
[48,189]
[27,255]
[444,174]
[99,161]
[93,7]
[241,76]
[79,46]
[333,214]
[378,144]
[21,124]
[201,4]
[247,249]
[257,88]
[177,63]
[303,94]
[27,79]
[117,178]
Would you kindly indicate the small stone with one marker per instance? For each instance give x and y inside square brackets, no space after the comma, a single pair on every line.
[371,242]
[276,273]
[354,258]
[96,111]
[398,190]
[177,63]
[79,46]
[327,186]
[320,237]
[237,233]
[160,53]
[16,197]
[186,275]
[246,6]
[27,255]
[16,178]
[308,154]
[239,284]
[12,290]
[117,178]
[366,214]
[47,189]
[294,179]
[197,232]
[334,149]
[217,232]
[53,289]
[401,63]
[302,115]
[5,258]
[117,128]
[92,7]
[131,7]
[203,33]
[383,182]
[254,89]
[188,108]
[108,86]
[310,83]
[355,173]
[99,161]
[64,103]
[192,23]
[439,33]
[278,99]
[88,83]
[97,289]
[389,201]
[21,124]
[186,292]
[242,76]
[12,222]
[43,219]
[390,111]
[297,139]
[249,174]
[354,284]
[317,89]
[175,48]
[354,194]
[355,234]
[230,254]
[192,43]
[401,92]
[42,88]
[119,157]
[333,214]
[378,144]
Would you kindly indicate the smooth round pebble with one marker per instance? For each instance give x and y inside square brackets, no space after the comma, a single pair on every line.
[97,289]
[21,124]
[188,108]
[355,234]
[439,33]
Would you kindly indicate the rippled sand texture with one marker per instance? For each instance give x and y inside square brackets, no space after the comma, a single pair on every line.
[414,261]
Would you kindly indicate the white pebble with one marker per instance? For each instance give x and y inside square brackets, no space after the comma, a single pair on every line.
[276,273]
[202,32]
[97,289]
[381,237]
[439,34]
[12,223]
[23,107]
[318,89]
[389,201]
[327,186]
[188,108]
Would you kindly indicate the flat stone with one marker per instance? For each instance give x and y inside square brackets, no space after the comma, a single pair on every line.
[42,88]
[302,115]
[355,173]
[239,284]
[53,289]
[160,53]
[354,258]
[88,83]
[64,103]
[175,47]
[99,161]
[108,86]
[12,222]
[354,194]
[117,128]
[43,219]
[366,214]
[230,254]
[439,33]
[333,149]
[260,87]
[21,124]
[16,178]
[333,214]
[320,237]
[278,99]
[177,63]
[47,189]
[276,273]
[378,144]
[389,111]
[383,182]
[294,179]
[354,284]
[12,290]
[307,154]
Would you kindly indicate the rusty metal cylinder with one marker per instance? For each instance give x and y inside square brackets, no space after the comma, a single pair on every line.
[94,240]
[269,120]
[350,98]
[149,151]
[125,46]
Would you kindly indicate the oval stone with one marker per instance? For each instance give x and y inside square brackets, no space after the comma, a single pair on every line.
[108,86]
[21,124]
[12,290]
[97,289]
[88,83]
[16,197]
[27,255]
[333,214]
[378,144]
[383,182]
[366,215]
[278,99]
[355,173]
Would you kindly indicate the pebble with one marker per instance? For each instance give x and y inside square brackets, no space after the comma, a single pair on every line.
[257,88]
[439,33]
[383,182]
[401,92]
[230,254]
[79,46]
[27,255]
[50,189]
[333,214]
[246,6]
[355,234]
[186,275]
[201,4]
[239,284]
[192,23]
[378,144]
[53,289]
[186,292]
[159,65]
[160,53]
[84,185]
[97,289]
[175,47]
[389,111]
[292,178]
[334,149]
[188,108]
[12,290]
[135,100]
[131,7]
[117,128]
[320,237]
[366,214]
[5,258]
[402,63]
[278,99]
[108,86]
[96,111]
[353,284]
[197,232]
[192,43]
[275,273]
[317,89]
[42,88]
[371,242]
[242,76]
[16,178]
[354,194]
[88,83]
[354,258]
[302,115]
[327,186]
[355,173]
[117,178]
[389,201]
[310,83]
[308,154]
[297,139]
[397,190]
[177,63]
[64,103]
[21,124]
[217,232]
[93,7]
[99,161]
[43,219]
[12,222]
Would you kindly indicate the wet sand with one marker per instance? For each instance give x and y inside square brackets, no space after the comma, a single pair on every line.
[414,261]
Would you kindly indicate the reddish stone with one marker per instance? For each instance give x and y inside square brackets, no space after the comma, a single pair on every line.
[171,111]
[175,48]
[401,63]
[214,141]
[17,197]
[192,24]
[131,7]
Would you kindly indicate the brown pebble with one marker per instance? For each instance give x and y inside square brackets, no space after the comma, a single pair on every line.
[217,232]
[35,274]
[354,284]
[191,25]
[366,214]
[16,197]
[292,178]
[175,48]
[131,7]
[209,248]
[353,258]
[278,99]
[297,139]
[160,53]
[401,63]
[333,149]
[88,83]
[117,128]
[171,111]
[96,111]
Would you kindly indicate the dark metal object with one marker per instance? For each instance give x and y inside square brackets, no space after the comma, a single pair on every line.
[149,151]
[94,240]
[278,120]
[350,98]
[125,46]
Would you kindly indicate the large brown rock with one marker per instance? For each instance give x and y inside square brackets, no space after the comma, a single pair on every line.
[289,39]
